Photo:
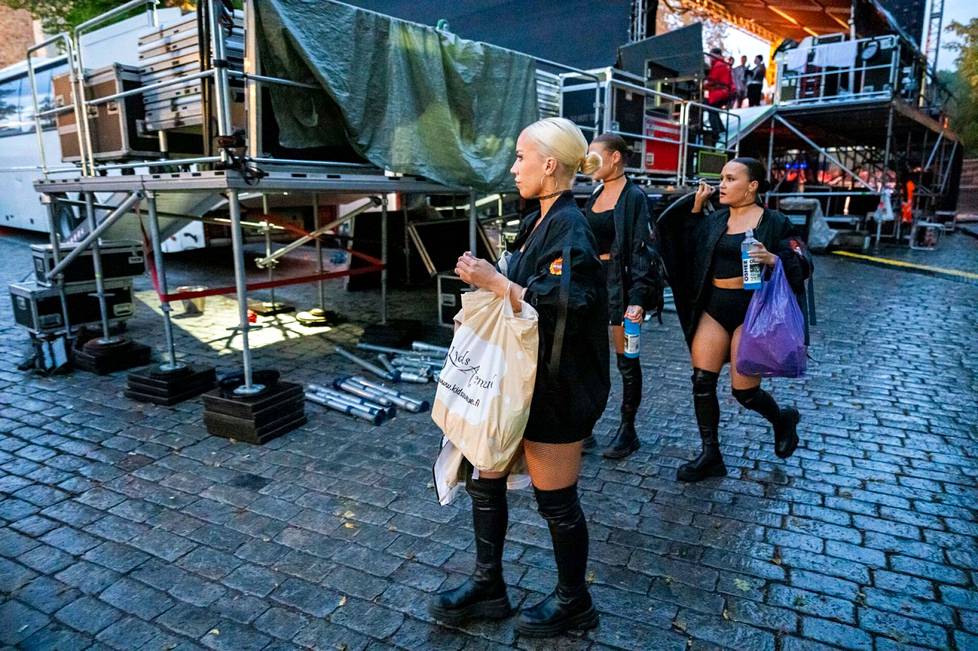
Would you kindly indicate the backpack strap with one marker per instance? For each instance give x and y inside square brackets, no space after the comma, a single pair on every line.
[811,300]
[556,351]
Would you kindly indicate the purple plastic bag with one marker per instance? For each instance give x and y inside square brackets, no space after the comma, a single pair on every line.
[772,342]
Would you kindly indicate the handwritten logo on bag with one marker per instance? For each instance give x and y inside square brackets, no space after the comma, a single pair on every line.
[472,373]
[462,361]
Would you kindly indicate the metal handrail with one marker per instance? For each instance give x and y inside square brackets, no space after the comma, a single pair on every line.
[265,79]
[646,91]
[851,72]
[83,126]
[308,163]
[160,163]
[38,128]
[154,86]
[55,111]
[112,13]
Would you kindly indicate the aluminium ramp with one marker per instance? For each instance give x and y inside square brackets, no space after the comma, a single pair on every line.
[751,118]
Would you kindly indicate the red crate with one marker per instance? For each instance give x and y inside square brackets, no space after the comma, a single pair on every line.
[662,155]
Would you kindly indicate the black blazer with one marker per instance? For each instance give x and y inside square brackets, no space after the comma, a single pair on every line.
[635,275]
[569,402]
[687,242]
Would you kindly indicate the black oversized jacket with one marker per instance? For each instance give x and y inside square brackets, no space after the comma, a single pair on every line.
[687,242]
[568,403]
[635,272]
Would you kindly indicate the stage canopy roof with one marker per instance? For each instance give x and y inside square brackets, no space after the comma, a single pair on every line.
[774,20]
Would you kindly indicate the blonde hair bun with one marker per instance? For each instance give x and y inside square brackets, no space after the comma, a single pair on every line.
[561,139]
[591,163]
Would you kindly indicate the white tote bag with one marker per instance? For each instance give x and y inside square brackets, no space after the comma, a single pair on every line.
[485,388]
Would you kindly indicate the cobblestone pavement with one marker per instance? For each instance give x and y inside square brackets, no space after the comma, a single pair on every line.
[125,525]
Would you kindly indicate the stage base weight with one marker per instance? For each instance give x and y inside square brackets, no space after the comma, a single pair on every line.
[279,409]
[101,357]
[168,388]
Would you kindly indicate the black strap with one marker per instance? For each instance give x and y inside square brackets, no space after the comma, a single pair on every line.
[553,367]
[811,301]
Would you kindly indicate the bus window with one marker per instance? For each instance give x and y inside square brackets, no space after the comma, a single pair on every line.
[17,107]
[45,95]
[10,108]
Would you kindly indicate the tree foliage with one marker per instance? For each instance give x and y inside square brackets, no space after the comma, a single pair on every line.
[61,15]
[963,82]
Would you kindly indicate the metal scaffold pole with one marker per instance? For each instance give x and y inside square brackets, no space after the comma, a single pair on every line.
[267,227]
[241,289]
[51,204]
[319,252]
[156,243]
[97,265]
[383,258]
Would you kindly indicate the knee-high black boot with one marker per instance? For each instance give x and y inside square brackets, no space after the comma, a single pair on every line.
[626,440]
[709,463]
[569,606]
[483,595]
[784,421]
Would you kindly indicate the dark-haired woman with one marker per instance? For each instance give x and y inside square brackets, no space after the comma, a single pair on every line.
[618,214]
[703,260]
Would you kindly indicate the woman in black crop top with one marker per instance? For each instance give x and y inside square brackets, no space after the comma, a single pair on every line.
[571,384]
[618,214]
[702,258]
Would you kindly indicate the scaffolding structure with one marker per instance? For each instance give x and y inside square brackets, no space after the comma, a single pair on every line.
[864,139]
[238,168]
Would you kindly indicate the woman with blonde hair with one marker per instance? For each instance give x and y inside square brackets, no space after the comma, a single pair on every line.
[554,267]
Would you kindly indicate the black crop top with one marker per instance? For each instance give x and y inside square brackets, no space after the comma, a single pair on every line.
[727,263]
[603,226]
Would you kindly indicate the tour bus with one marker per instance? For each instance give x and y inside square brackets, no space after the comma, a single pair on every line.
[20,154]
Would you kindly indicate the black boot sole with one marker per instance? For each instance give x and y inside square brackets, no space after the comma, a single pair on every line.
[621,453]
[719,470]
[491,609]
[793,441]
[583,621]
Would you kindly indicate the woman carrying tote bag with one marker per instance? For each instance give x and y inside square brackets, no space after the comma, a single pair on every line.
[554,268]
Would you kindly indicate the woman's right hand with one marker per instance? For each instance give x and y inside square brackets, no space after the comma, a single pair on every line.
[703,192]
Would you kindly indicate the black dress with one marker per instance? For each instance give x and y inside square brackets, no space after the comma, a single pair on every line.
[566,404]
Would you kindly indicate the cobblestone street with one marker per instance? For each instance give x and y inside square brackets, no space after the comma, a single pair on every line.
[125,525]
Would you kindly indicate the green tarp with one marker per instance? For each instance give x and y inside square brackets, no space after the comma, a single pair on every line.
[408,98]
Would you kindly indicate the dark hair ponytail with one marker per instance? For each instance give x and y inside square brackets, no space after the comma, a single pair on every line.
[755,172]
[614,142]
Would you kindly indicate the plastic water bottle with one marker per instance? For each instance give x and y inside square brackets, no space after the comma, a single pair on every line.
[752,268]
[633,333]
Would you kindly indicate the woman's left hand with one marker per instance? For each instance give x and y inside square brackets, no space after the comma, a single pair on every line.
[634,313]
[477,271]
[762,255]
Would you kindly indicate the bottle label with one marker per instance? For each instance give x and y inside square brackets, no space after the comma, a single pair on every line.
[633,333]
[631,345]
[752,272]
